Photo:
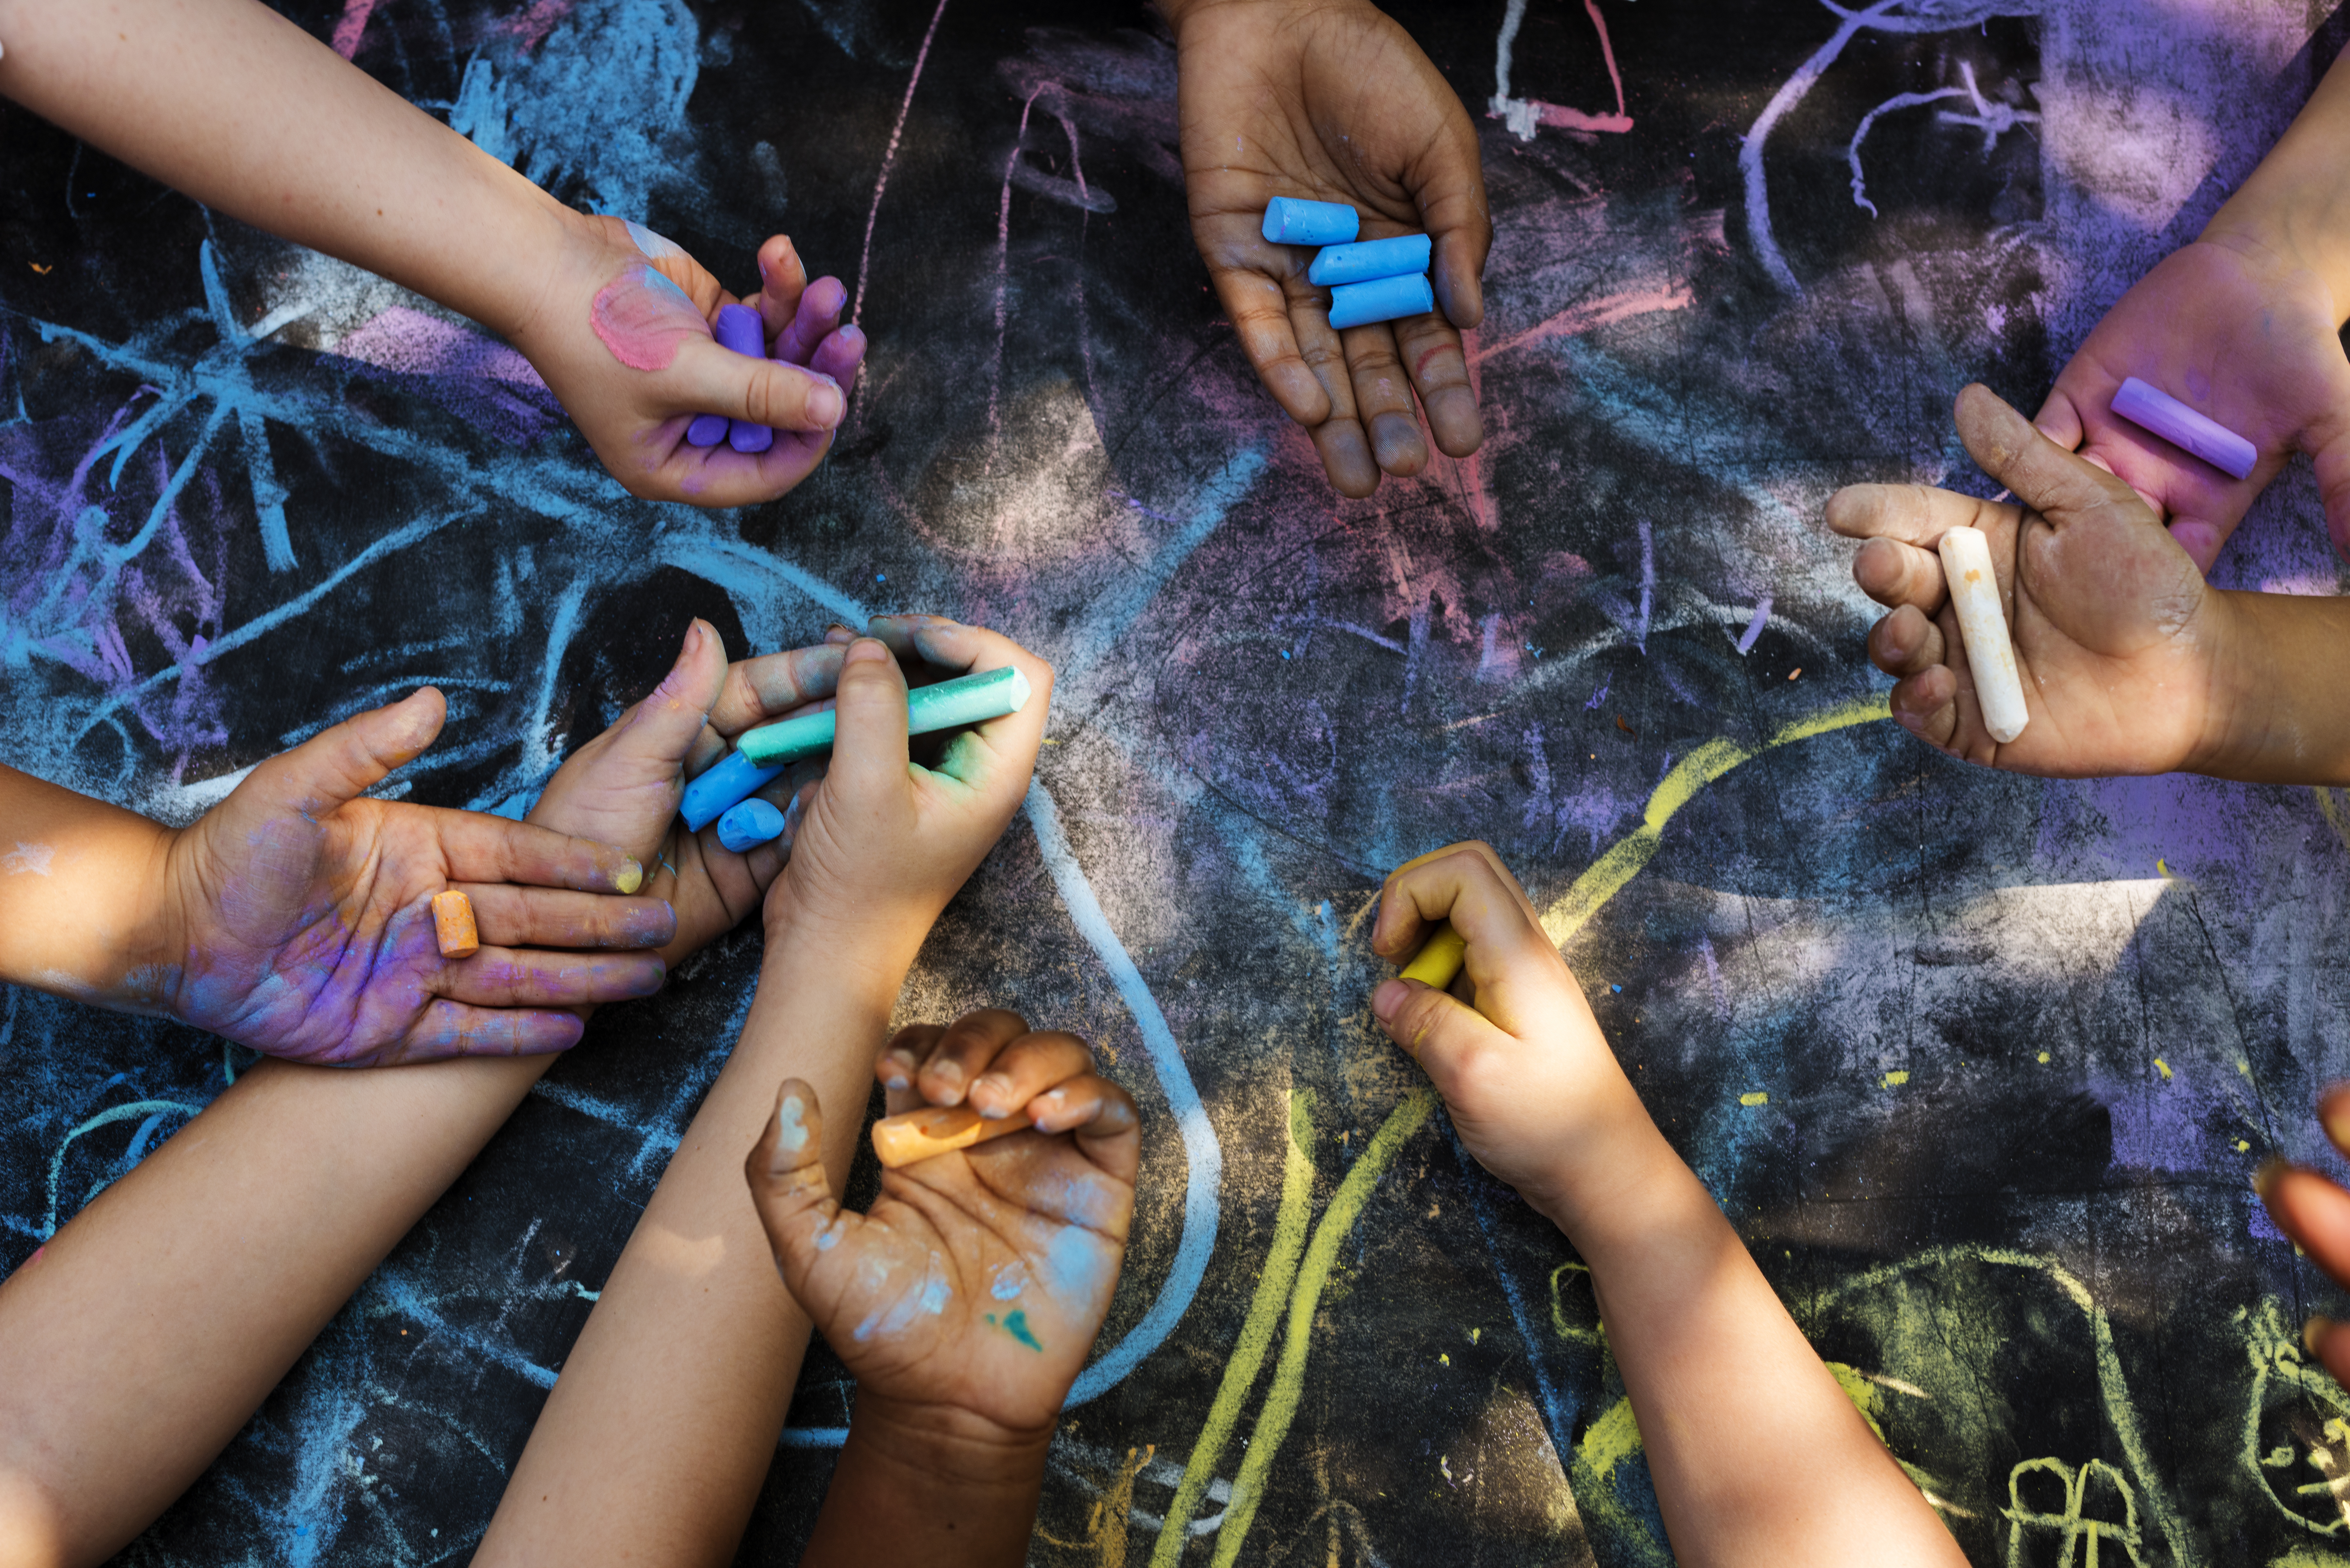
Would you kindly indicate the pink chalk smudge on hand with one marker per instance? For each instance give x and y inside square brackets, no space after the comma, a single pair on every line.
[642,318]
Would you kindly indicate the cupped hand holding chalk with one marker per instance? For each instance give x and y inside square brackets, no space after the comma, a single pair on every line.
[977,1281]
[2116,642]
[1340,107]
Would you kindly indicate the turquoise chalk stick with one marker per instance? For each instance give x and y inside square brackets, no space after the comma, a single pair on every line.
[966,700]
[1382,299]
[1368,259]
[1291,222]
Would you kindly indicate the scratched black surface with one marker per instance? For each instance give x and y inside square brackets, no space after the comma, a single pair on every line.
[1980,1084]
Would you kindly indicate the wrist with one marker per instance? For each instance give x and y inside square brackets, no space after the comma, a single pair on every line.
[865,960]
[1602,1188]
[947,1444]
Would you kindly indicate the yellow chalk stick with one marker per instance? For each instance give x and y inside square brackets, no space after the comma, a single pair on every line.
[1438,963]
[935,1129]
[452,923]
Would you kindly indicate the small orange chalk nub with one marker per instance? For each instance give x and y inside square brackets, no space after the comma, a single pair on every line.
[935,1129]
[452,923]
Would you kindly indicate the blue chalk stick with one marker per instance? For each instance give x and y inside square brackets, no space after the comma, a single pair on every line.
[1290,222]
[1384,299]
[1370,259]
[749,823]
[707,430]
[710,797]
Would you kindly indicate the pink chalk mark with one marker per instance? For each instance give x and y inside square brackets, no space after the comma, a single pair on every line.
[890,156]
[414,344]
[1594,314]
[352,25]
[1564,118]
[530,29]
[644,317]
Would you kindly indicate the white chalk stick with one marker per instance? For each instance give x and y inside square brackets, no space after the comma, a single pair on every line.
[1974,594]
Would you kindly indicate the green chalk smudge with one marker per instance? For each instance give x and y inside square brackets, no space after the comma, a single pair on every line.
[1016,1324]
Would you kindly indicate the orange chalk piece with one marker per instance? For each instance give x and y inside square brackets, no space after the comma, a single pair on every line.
[452,923]
[935,1129]
[1438,963]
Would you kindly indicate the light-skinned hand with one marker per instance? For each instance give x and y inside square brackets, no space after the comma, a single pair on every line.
[966,1300]
[1332,102]
[620,331]
[2314,1212]
[297,920]
[2239,331]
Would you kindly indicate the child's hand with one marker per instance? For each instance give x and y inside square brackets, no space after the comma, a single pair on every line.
[298,921]
[1532,1086]
[622,334]
[2120,644]
[884,842]
[973,1288]
[623,788]
[2315,1213]
[2240,332]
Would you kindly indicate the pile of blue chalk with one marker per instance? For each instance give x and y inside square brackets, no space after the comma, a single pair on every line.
[1376,280]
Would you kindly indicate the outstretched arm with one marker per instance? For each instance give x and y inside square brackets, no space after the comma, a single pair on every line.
[233,103]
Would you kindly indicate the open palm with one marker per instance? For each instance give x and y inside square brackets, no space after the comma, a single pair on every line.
[2118,639]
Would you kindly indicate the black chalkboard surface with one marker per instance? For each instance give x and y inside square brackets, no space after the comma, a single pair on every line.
[1979,1065]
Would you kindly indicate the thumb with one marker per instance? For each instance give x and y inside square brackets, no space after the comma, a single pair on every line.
[715,380]
[1452,208]
[869,751]
[341,763]
[663,727]
[2059,420]
[789,1188]
[2043,475]
[1444,1035]
[2332,461]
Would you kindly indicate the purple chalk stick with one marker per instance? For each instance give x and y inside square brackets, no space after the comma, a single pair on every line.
[744,436]
[738,328]
[2151,409]
[707,430]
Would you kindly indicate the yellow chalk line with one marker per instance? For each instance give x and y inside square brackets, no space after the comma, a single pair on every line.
[1599,882]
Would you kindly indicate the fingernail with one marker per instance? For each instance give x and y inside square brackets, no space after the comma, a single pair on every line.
[630,878]
[1390,996]
[826,406]
[2266,1174]
[998,1085]
[865,651]
[838,629]
[2313,1333]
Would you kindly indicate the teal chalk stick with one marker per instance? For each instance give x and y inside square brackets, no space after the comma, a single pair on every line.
[966,700]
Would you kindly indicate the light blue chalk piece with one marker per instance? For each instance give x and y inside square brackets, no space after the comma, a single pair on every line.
[1383,299]
[1370,259]
[967,699]
[2150,408]
[748,823]
[1290,222]
[734,779]
[707,430]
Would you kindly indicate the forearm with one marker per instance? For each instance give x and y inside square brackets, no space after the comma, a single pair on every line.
[2281,719]
[928,1490]
[662,1429]
[80,907]
[148,1332]
[2296,206]
[241,110]
[1757,1456]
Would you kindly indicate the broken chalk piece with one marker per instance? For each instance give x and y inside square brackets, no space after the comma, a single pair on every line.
[966,700]
[1983,627]
[734,778]
[1382,299]
[452,923]
[738,328]
[1438,963]
[1291,222]
[936,1130]
[1368,259]
[748,823]
[2150,408]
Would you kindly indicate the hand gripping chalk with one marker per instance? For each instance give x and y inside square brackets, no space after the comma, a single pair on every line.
[748,823]
[1983,627]
[936,1129]
[453,925]
[1383,299]
[2150,408]
[1290,222]
[738,328]
[1438,963]
[1370,259]
[967,699]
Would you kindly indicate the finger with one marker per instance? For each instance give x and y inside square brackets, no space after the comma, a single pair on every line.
[1258,305]
[510,977]
[2333,1115]
[962,1051]
[1338,440]
[478,847]
[1927,705]
[2043,475]
[1383,399]
[541,916]
[2332,457]
[840,356]
[870,749]
[1101,1115]
[1001,751]
[1910,514]
[817,318]
[901,1060]
[789,1188]
[709,380]
[665,730]
[1430,349]
[1904,643]
[1448,185]
[449,1028]
[2312,1211]
[1452,1042]
[1468,885]
[2059,420]
[1024,1068]
[2201,538]
[759,691]
[782,285]
[345,761]
[1897,574]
